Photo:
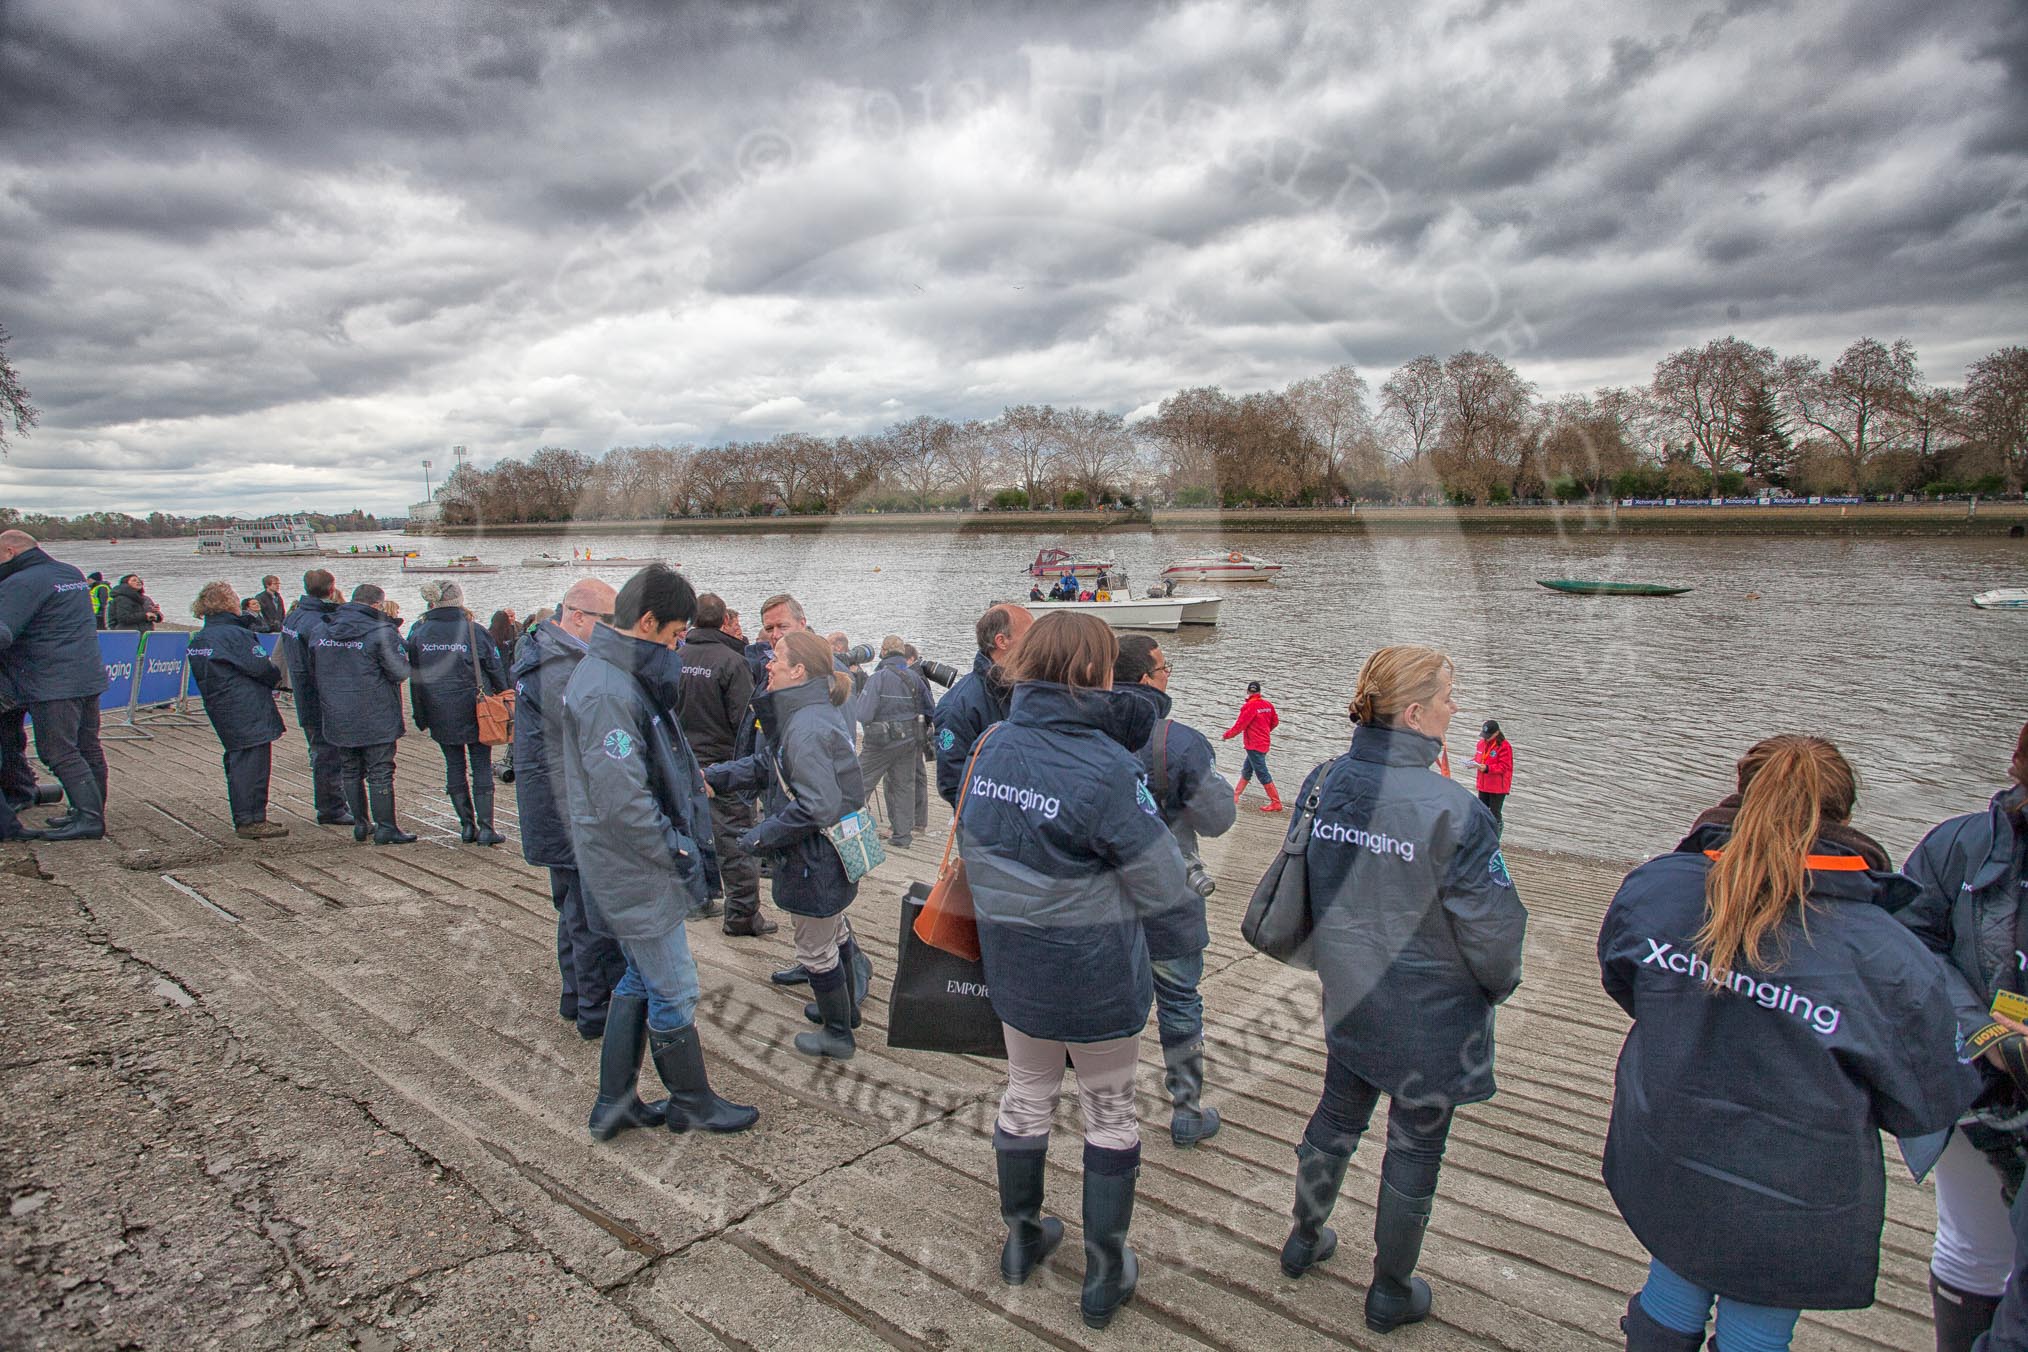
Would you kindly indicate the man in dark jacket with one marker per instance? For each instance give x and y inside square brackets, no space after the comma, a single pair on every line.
[357,665]
[979,699]
[273,608]
[49,662]
[237,681]
[891,709]
[717,702]
[638,813]
[130,606]
[318,603]
[1194,799]
[591,963]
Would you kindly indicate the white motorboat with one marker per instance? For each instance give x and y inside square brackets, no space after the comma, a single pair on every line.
[1231,566]
[1054,563]
[544,561]
[2002,598]
[1200,609]
[1163,613]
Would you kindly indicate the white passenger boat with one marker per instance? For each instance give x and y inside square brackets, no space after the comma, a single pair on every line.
[1231,566]
[277,538]
[2002,598]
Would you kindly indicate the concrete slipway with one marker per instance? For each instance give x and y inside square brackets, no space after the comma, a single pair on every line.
[315,1094]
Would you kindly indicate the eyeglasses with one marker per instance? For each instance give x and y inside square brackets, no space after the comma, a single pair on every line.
[1157,671]
[605,617]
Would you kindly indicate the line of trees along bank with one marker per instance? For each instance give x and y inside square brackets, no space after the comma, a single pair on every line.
[1725,417]
[160,525]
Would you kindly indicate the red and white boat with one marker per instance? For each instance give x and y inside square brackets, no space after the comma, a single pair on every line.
[1057,562]
[1232,566]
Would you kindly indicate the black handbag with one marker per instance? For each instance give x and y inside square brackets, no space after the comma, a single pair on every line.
[939,1001]
[1279,919]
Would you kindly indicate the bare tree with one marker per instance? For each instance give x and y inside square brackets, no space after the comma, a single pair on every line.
[974,462]
[1027,438]
[793,460]
[1097,452]
[1334,413]
[1189,428]
[1703,394]
[1860,404]
[1488,419]
[846,467]
[14,405]
[1996,410]
[1412,400]
[918,454]
[1585,440]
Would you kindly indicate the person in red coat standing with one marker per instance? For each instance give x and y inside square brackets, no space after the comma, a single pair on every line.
[1257,720]
[1495,758]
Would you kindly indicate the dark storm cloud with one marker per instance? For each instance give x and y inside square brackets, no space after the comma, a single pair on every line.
[258,252]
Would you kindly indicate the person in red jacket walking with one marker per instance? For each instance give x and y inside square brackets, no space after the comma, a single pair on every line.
[1257,719]
[1495,758]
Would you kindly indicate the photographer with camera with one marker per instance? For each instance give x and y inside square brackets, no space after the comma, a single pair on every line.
[979,700]
[1193,799]
[891,708]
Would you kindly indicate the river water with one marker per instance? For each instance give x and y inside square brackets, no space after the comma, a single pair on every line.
[1626,714]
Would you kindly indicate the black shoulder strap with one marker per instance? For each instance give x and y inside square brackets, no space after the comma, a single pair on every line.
[1161,744]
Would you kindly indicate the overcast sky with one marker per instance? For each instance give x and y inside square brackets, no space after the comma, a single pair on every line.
[257,256]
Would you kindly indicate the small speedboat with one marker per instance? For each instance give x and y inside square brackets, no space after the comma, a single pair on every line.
[1160,613]
[463,563]
[2002,598]
[1585,587]
[1231,566]
[620,561]
[1057,562]
[544,561]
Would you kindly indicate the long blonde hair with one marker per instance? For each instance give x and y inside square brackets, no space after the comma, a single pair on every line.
[1790,786]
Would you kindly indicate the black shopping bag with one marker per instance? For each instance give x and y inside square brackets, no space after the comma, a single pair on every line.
[939,1001]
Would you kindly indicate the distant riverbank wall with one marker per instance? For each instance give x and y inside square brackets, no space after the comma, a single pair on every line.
[1826,519]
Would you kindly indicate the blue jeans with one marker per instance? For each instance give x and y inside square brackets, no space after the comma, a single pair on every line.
[1677,1304]
[663,971]
[1256,767]
[1179,1009]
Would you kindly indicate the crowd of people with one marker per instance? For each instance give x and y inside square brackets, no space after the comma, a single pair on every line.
[1792,994]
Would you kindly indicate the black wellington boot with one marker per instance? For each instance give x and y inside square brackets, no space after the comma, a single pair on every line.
[1031,1236]
[619,1103]
[47,794]
[834,1002]
[461,803]
[356,808]
[858,969]
[1319,1175]
[385,832]
[1183,1076]
[1110,1269]
[482,817]
[79,825]
[796,975]
[1397,1295]
[1645,1335]
[679,1060]
[1959,1316]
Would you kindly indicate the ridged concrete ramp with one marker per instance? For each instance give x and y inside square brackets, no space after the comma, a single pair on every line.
[316,1094]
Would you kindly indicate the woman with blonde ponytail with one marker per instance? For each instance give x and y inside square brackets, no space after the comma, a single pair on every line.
[1782,1021]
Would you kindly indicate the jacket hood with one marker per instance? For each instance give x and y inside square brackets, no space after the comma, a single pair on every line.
[126,589]
[894,661]
[1157,699]
[546,642]
[783,701]
[27,558]
[1837,838]
[355,618]
[1393,746]
[698,637]
[1046,704]
[2006,817]
[322,605]
[658,669]
[1876,884]
[455,613]
[243,621]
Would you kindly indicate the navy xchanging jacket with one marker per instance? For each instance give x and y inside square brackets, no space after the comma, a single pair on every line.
[1744,1150]
[49,638]
[237,681]
[543,663]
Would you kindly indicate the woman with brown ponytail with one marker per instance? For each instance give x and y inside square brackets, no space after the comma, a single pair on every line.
[1782,1021]
[1418,936]
[1972,870]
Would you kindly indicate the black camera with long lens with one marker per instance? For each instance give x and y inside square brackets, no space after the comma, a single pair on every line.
[941,673]
[857,657]
[1199,877]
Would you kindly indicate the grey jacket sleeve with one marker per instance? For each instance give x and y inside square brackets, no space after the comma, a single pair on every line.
[1129,835]
[1208,808]
[389,655]
[1931,917]
[17,607]
[617,787]
[815,800]
[1487,918]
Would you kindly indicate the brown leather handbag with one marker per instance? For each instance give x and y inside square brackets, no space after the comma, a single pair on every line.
[947,920]
[495,712]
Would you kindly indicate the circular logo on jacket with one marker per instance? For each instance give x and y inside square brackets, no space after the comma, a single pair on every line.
[1147,800]
[947,739]
[1498,868]
[619,744]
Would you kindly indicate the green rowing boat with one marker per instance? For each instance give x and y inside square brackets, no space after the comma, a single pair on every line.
[1580,587]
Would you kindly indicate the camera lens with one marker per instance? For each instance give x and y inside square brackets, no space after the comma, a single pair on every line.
[941,673]
[859,656]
